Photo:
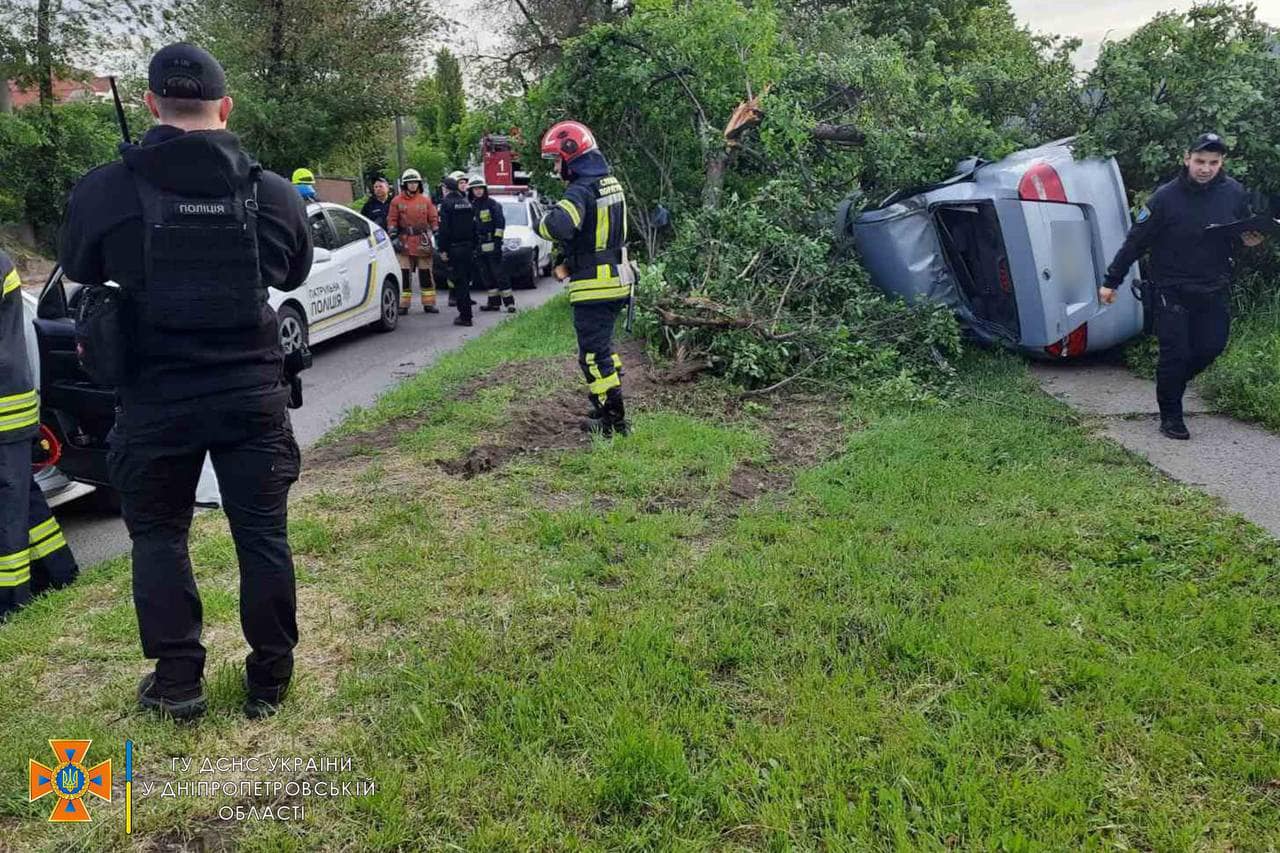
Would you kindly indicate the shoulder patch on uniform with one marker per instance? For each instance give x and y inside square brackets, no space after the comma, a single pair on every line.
[1144,214]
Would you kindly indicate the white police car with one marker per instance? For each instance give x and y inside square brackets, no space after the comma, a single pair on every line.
[526,256]
[354,283]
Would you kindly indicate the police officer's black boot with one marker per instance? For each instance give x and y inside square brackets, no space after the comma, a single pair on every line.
[510,302]
[1173,426]
[186,705]
[493,304]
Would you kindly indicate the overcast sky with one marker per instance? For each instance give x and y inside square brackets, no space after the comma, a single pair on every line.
[1096,21]
[1093,21]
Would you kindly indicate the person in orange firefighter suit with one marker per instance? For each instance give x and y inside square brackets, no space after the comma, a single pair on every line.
[410,222]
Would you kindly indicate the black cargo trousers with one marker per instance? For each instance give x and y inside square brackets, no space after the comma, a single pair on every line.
[155,465]
[1192,329]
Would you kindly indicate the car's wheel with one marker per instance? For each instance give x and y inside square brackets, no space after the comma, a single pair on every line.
[293,328]
[529,279]
[389,315]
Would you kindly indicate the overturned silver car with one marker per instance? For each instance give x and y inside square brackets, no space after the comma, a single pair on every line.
[1016,248]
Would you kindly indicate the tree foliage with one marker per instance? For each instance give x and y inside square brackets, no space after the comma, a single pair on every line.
[838,101]
[36,175]
[1216,68]
[308,75]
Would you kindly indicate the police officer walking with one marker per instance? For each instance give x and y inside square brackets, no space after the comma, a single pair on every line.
[34,555]
[457,242]
[378,205]
[1190,270]
[590,226]
[490,227]
[195,232]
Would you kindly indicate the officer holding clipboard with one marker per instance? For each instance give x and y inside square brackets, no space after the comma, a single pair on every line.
[1191,227]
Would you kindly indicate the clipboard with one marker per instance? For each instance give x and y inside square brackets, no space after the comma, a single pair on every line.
[1261,223]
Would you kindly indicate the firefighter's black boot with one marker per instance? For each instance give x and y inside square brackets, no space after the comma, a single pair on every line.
[406,290]
[612,419]
[493,304]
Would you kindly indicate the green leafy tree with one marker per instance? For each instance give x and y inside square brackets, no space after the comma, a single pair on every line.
[749,122]
[450,100]
[426,106]
[1213,68]
[308,75]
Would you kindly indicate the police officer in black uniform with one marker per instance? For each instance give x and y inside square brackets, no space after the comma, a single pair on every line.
[457,242]
[34,555]
[379,203]
[1190,270]
[195,232]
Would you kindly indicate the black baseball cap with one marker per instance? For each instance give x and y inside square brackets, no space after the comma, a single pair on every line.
[1209,142]
[183,70]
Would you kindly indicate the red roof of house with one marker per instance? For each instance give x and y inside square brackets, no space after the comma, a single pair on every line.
[63,91]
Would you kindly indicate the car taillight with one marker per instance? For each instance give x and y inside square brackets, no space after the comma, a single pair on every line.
[1041,183]
[1002,271]
[1072,345]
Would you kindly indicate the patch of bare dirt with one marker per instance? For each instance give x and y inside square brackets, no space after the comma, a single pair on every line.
[802,430]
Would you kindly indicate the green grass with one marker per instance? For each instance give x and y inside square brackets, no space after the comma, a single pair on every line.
[1245,381]
[976,627]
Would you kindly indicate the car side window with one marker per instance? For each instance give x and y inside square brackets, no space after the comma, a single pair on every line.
[349,227]
[321,232]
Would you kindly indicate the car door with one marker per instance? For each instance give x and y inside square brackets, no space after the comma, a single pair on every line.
[317,295]
[351,300]
[79,411]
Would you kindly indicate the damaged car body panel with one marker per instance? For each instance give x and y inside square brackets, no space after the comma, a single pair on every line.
[1016,248]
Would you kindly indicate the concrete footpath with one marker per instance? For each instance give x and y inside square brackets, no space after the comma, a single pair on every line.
[1234,461]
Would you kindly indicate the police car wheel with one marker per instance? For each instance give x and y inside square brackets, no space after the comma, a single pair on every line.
[293,328]
[529,280]
[390,307]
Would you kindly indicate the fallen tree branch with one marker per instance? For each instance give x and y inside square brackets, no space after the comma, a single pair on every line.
[760,392]
[839,134]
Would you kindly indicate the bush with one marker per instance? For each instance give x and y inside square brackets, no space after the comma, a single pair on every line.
[42,155]
[1245,381]
[767,302]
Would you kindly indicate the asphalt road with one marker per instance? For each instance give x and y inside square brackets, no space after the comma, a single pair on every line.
[349,371]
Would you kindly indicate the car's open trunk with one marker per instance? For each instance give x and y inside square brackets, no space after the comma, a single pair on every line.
[973,246]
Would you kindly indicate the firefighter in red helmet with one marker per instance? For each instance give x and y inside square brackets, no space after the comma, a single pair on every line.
[589,225]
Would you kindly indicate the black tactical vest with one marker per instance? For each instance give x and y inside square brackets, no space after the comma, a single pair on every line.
[201,256]
[457,221]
